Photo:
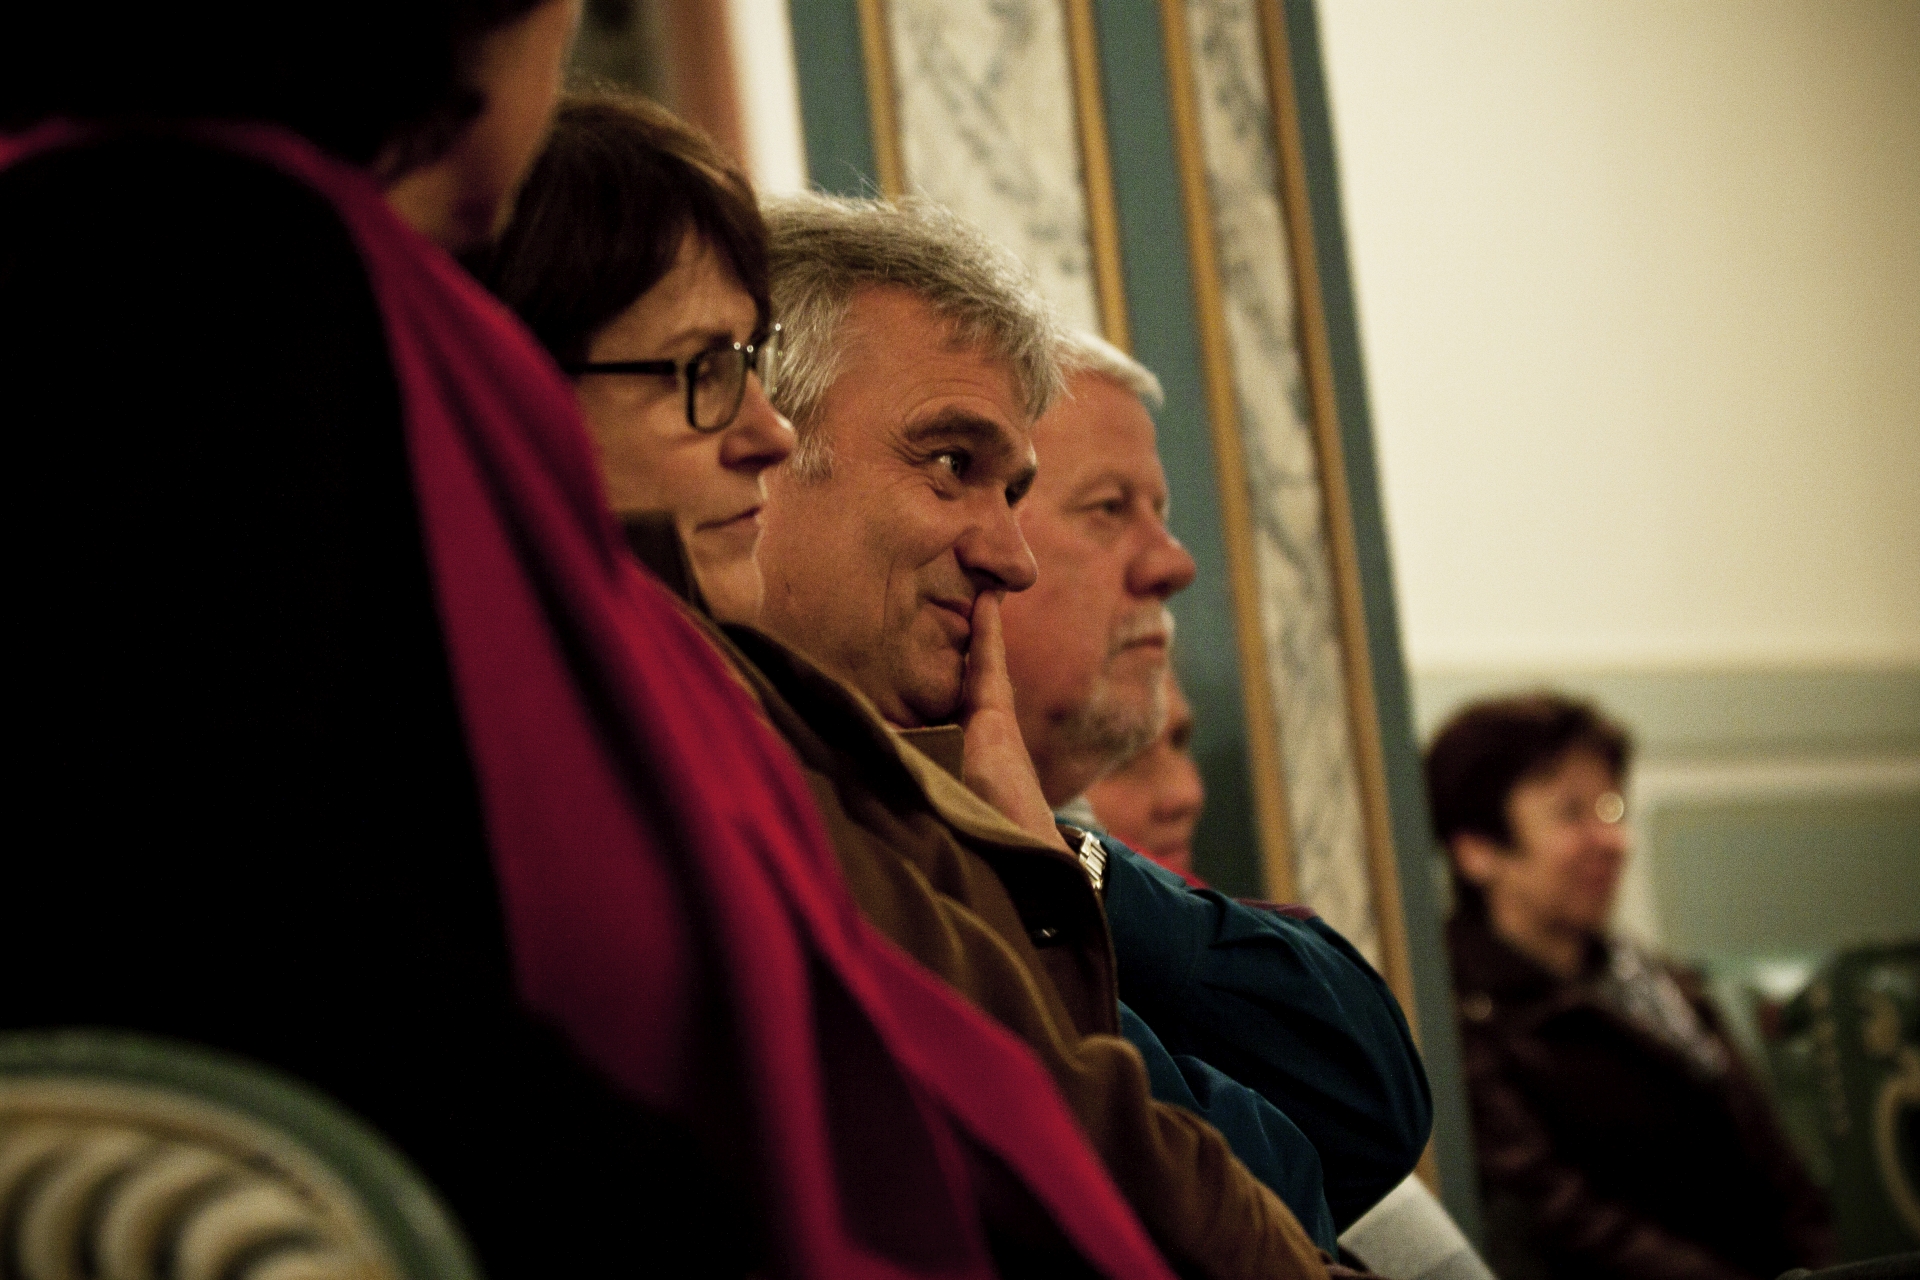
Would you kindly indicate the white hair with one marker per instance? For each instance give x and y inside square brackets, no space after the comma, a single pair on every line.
[1083,352]
[824,249]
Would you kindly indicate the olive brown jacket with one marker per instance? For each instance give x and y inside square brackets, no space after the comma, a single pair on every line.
[1015,925]
[1606,1153]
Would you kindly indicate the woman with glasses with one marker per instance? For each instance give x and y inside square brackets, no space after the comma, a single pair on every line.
[667,334]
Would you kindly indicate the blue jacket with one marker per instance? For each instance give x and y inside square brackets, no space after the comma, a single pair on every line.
[1280,1006]
[1270,1145]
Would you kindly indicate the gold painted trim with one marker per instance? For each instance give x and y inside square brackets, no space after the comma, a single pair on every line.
[1103,216]
[1236,514]
[883,98]
[1363,714]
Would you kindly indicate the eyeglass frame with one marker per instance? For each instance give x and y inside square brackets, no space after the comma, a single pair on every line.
[752,355]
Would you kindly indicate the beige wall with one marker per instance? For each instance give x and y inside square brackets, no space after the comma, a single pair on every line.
[1640,300]
[769,94]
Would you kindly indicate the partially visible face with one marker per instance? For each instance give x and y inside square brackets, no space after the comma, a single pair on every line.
[1087,647]
[652,460]
[873,568]
[1153,801]
[1569,849]
[465,197]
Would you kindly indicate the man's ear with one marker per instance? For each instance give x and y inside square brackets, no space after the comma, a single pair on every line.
[1478,858]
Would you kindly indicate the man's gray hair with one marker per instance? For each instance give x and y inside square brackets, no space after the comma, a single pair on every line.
[824,249]
[1083,352]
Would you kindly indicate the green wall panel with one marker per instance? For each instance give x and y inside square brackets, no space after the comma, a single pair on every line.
[1751,877]
[833,97]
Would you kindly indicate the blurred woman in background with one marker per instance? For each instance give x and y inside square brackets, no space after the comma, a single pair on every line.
[1618,1132]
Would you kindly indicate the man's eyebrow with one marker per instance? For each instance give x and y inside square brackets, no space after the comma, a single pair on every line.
[1080,492]
[962,426]
[1098,480]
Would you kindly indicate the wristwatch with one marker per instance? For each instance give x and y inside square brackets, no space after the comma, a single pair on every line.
[1093,854]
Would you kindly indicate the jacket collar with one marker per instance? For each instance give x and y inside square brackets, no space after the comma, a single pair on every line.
[1494,979]
[1484,962]
[944,744]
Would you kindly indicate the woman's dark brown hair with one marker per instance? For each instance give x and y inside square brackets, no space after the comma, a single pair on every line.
[1488,748]
[621,184]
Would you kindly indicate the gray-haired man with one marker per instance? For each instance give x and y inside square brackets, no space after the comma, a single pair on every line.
[918,362]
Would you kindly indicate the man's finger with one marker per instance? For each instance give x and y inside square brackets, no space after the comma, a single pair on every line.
[997,766]
[987,681]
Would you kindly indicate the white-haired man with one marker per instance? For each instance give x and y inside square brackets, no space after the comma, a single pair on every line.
[1087,650]
[1088,646]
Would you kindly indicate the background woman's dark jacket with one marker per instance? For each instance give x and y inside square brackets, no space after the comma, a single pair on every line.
[1606,1153]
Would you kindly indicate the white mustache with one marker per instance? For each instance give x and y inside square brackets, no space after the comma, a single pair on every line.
[1148,624]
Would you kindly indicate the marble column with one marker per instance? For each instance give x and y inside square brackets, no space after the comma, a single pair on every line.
[1299,612]
[987,128]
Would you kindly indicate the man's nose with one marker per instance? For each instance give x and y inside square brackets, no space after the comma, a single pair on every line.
[1161,568]
[995,554]
[758,437]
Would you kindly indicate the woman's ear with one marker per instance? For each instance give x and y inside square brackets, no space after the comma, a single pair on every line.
[1480,860]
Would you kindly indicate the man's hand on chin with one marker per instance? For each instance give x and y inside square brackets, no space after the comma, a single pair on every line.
[997,767]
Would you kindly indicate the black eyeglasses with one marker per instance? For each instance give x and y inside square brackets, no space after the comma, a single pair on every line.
[716,379]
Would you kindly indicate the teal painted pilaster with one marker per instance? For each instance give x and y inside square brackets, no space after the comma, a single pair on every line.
[833,97]
[1159,286]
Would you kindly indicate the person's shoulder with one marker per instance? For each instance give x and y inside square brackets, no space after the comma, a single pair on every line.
[134,176]
[1120,853]
[1495,988]
[169,210]
[1621,954]
[810,696]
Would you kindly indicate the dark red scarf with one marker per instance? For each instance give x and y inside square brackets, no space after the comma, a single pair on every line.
[656,849]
